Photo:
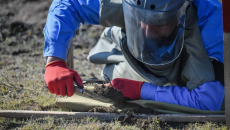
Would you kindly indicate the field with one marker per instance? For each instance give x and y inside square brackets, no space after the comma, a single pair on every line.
[22,66]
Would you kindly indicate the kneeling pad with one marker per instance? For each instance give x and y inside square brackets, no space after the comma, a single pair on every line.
[83,104]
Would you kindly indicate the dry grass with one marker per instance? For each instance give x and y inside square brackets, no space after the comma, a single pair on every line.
[54,123]
[22,88]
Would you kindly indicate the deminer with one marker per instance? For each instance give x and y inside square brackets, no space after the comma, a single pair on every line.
[161,50]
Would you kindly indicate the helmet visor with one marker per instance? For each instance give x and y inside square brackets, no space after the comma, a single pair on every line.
[154,37]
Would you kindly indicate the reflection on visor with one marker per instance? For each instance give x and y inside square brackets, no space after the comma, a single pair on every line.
[154,38]
[161,33]
[157,18]
[153,52]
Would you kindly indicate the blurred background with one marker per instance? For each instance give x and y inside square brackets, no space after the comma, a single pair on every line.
[22,86]
[21,34]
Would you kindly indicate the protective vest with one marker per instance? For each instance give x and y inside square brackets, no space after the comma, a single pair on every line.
[191,69]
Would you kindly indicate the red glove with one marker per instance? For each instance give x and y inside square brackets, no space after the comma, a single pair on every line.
[59,78]
[130,88]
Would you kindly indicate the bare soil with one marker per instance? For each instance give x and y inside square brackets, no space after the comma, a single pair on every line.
[109,92]
[130,120]
[136,110]
[104,110]
[21,34]
[117,96]
[142,110]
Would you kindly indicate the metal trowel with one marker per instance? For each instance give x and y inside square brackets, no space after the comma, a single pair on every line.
[88,92]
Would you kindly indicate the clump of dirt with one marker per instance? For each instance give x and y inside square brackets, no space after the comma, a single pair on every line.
[142,110]
[138,109]
[118,98]
[131,120]
[104,109]
[109,92]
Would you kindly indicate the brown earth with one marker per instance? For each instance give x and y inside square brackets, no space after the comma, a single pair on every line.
[136,110]
[21,34]
[117,96]
[130,120]
[109,92]
[104,110]
[142,110]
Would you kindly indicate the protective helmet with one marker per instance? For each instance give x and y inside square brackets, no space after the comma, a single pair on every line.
[155,29]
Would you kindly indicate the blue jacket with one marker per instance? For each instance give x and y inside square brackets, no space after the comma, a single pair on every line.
[64,19]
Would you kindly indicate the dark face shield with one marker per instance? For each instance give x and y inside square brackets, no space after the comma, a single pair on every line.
[154,37]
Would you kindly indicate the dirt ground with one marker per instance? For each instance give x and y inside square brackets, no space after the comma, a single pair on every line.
[109,92]
[21,33]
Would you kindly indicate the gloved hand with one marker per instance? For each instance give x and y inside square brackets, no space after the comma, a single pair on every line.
[130,88]
[59,78]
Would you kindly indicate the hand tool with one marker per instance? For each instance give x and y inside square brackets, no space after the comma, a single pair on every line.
[88,92]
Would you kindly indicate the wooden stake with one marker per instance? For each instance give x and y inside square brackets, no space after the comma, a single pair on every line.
[110,116]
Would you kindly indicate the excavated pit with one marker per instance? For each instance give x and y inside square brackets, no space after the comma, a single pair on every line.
[109,92]
[117,96]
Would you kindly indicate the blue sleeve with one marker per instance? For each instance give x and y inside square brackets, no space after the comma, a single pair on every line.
[208,96]
[209,13]
[63,20]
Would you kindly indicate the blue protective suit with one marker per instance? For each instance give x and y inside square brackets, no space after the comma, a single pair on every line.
[64,19]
